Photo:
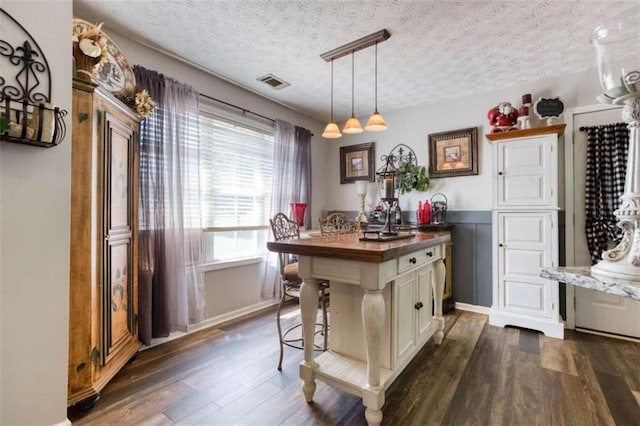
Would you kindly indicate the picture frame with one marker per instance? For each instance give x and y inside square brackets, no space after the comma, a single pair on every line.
[453,153]
[357,162]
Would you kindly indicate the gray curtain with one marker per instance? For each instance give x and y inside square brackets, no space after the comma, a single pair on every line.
[607,148]
[291,184]
[171,277]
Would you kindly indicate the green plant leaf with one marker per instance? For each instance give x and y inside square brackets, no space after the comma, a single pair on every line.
[80,367]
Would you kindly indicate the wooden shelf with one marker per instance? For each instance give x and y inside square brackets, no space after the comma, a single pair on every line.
[536,131]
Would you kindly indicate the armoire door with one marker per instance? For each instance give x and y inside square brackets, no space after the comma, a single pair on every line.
[524,241]
[118,269]
[524,173]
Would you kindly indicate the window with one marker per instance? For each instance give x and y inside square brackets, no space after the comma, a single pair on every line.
[236,175]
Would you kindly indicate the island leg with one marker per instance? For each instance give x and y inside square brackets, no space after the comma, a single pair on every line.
[373,323]
[437,283]
[309,311]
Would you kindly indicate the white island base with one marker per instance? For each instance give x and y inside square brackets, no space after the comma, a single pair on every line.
[381,316]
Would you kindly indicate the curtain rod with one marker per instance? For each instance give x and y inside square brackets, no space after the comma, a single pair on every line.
[244,110]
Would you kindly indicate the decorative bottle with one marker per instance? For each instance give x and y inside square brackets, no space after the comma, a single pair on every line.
[419,213]
[398,215]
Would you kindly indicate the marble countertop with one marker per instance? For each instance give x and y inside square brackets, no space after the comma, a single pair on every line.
[581,276]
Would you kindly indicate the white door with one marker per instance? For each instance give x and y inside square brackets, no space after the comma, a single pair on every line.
[596,310]
[524,173]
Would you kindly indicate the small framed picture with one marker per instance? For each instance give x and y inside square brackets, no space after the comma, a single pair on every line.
[453,153]
[357,162]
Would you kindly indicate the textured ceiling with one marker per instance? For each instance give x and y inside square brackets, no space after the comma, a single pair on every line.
[437,50]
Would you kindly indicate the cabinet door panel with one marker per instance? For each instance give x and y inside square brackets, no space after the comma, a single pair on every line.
[118,293]
[526,297]
[524,173]
[406,323]
[424,292]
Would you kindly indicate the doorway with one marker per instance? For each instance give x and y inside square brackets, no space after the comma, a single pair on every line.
[591,310]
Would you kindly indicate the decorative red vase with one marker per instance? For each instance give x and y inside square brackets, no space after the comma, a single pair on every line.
[297,210]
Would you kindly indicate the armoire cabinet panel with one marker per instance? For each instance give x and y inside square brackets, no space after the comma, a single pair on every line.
[103,283]
[524,172]
[525,232]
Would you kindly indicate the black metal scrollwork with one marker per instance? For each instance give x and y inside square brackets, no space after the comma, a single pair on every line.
[25,94]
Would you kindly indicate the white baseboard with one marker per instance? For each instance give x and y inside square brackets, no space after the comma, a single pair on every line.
[473,308]
[65,422]
[215,321]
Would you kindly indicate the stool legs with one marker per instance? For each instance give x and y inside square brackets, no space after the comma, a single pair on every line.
[284,294]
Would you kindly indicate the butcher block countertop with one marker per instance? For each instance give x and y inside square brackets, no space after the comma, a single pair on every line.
[349,246]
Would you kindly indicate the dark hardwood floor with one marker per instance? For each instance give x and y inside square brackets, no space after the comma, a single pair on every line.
[480,375]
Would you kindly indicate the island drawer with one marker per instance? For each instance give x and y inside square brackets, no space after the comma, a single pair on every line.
[420,257]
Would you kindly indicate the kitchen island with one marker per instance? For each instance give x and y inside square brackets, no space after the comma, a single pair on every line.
[381,296]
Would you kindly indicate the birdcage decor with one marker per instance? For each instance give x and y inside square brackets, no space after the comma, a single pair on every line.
[438,209]
[26,113]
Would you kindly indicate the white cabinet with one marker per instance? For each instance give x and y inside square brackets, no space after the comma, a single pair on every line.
[525,230]
[412,318]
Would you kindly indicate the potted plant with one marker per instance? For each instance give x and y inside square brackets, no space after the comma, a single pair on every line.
[414,177]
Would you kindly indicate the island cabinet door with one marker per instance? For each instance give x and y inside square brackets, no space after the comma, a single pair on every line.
[405,318]
[423,305]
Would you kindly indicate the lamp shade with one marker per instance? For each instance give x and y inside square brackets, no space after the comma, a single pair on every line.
[331,131]
[618,55]
[376,123]
[352,126]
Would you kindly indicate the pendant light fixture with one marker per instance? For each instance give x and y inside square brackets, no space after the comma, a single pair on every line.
[332,131]
[352,126]
[376,122]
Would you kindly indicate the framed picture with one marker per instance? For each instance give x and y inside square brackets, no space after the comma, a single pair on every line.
[453,153]
[357,162]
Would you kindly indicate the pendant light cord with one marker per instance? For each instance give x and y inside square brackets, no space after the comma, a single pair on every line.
[376,68]
[352,82]
[332,90]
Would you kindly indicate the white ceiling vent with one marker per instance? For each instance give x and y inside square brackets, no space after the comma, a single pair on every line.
[273,81]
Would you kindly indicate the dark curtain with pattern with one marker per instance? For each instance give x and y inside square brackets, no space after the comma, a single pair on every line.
[607,147]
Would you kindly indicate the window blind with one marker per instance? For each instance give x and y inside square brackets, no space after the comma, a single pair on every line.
[236,172]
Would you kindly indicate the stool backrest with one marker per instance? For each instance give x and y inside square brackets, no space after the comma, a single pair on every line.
[284,229]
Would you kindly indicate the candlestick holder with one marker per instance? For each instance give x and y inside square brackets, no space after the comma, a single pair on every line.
[361,190]
[618,57]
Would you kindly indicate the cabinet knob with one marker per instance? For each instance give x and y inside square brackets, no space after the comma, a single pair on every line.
[500,173]
[429,254]
[418,306]
[500,245]
[412,260]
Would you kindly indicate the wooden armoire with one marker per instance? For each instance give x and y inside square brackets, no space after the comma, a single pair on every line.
[103,308]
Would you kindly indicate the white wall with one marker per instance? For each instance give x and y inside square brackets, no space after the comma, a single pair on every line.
[34,241]
[413,125]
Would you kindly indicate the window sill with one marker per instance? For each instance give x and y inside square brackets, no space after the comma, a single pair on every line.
[227,264]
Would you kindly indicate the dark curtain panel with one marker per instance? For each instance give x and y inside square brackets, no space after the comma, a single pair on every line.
[302,164]
[151,238]
[607,148]
[170,278]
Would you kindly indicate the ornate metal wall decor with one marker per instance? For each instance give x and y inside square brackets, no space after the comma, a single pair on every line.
[26,113]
